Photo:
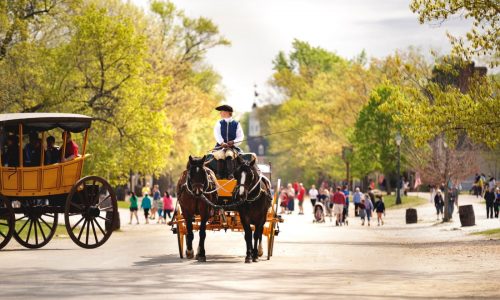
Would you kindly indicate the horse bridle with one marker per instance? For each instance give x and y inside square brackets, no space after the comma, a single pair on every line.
[249,191]
[205,187]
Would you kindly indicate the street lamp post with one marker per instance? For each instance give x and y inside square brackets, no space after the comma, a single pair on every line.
[398,182]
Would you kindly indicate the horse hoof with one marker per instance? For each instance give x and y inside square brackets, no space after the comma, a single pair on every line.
[201,258]
[248,260]
[254,259]
[189,254]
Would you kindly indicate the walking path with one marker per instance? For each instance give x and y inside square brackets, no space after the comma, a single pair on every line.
[394,261]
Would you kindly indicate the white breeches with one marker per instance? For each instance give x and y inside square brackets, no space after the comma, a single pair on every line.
[224,153]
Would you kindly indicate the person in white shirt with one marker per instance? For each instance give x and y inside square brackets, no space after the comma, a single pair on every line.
[313,194]
[228,135]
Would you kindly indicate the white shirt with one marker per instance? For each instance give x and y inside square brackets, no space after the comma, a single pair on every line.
[313,193]
[239,133]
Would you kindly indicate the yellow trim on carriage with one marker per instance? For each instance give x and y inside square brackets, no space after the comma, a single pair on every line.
[45,180]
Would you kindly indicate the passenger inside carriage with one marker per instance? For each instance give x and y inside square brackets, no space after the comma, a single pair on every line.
[33,150]
[53,153]
[10,156]
[71,150]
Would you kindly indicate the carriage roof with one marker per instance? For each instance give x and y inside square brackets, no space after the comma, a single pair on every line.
[47,121]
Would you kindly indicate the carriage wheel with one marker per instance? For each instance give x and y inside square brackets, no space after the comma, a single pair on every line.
[270,240]
[6,222]
[90,212]
[37,226]
[181,227]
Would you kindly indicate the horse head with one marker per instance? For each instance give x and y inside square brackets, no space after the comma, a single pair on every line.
[245,175]
[197,175]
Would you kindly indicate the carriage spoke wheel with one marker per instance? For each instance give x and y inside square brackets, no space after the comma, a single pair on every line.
[270,239]
[90,212]
[6,222]
[34,226]
[181,227]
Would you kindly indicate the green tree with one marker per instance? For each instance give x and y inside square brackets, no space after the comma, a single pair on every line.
[323,95]
[482,39]
[374,134]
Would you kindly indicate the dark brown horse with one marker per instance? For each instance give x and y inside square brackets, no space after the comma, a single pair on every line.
[195,186]
[254,189]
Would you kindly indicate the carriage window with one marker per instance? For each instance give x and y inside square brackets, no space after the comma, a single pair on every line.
[52,146]
[32,151]
[10,148]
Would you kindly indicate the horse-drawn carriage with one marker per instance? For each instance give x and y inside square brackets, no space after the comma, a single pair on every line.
[33,194]
[225,208]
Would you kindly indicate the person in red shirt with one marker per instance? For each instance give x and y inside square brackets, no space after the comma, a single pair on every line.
[300,196]
[71,151]
[338,205]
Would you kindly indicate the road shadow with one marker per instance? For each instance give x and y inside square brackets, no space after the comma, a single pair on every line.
[175,259]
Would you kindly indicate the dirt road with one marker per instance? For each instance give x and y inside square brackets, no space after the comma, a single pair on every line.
[394,261]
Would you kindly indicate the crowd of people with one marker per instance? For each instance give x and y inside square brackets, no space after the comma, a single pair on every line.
[482,187]
[32,151]
[157,205]
[335,200]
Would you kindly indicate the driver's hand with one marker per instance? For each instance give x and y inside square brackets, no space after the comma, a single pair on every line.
[230,143]
[224,145]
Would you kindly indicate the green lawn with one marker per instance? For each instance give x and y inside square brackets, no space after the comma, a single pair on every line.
[406,201]
[123,204]
[491,233]
[60,230]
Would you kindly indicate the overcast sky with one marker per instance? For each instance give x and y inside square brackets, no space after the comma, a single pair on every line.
[258,29]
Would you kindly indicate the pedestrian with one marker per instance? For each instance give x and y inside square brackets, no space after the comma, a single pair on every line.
[357,201]
[156,200]
[168,205]
[146,189]
[492,183]
[133,208]
[362,211]
[439,204]
[368,208]
[290,192]
[489,196]
[146,205]
[380,209]
[338,206]
[371,195]
[300,196]
[497,202]
[346,194]
[160,210]
[283,200]
[313,195]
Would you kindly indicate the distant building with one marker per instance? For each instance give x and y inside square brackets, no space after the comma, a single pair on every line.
[256,143]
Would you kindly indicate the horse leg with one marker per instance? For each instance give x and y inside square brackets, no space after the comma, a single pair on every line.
[189,237]
[256,237]
[200,256]
[248,240]
[261,251]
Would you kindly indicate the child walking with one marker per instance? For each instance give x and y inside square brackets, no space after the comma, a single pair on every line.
[380,209]
[146,205]
[133,208]
[168,206]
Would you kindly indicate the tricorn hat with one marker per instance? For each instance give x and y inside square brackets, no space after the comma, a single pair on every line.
[224,107]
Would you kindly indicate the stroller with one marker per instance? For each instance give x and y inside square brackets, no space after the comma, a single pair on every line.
[322,209]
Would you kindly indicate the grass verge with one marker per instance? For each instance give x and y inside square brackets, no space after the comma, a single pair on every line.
[406,202]
[491,233]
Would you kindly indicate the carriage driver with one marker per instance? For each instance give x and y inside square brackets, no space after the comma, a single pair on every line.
[228,134]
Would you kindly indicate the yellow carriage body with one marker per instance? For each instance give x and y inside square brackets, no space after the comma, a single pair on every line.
[43,180]
[47,180]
